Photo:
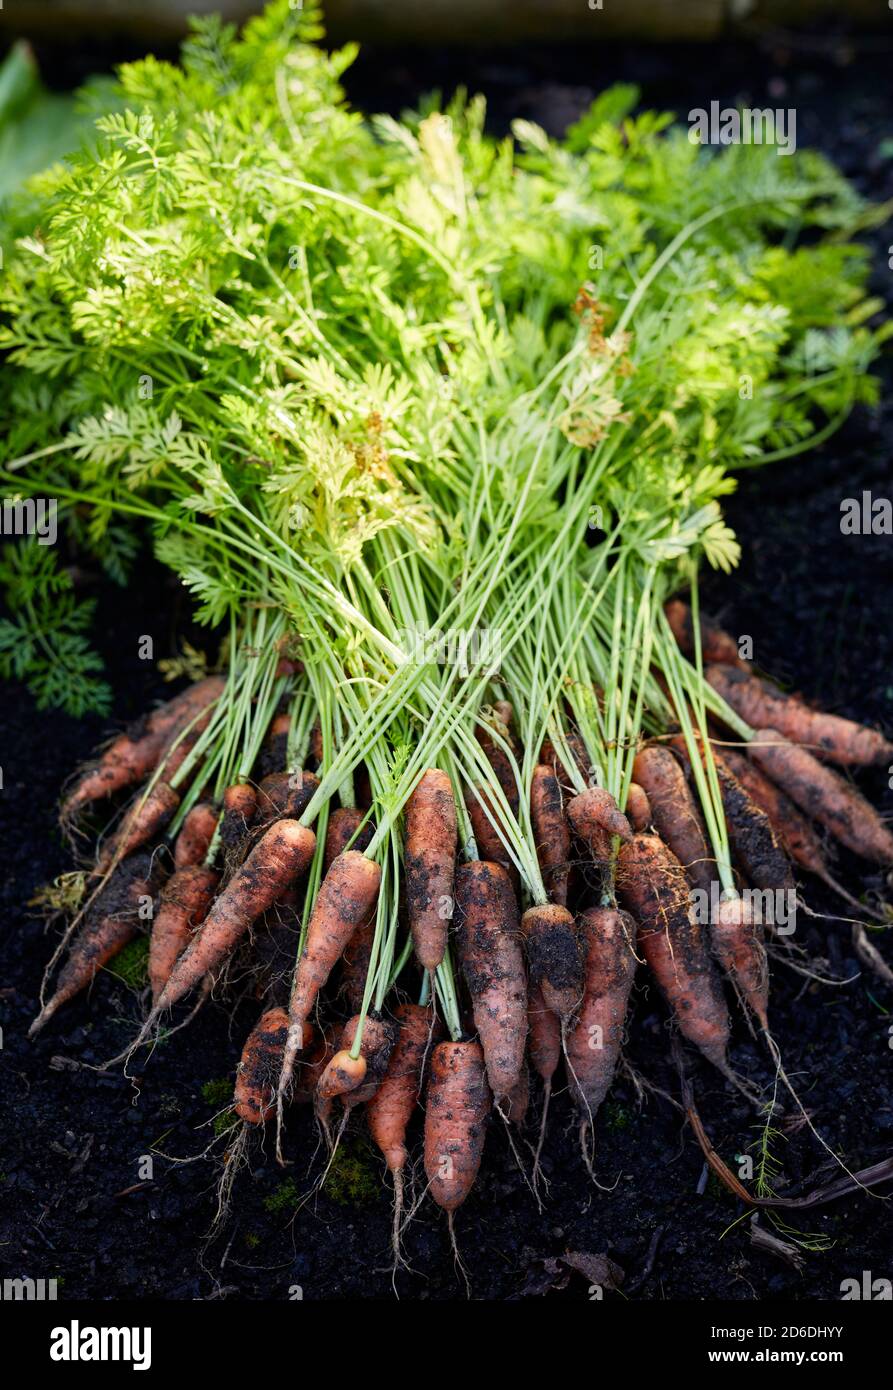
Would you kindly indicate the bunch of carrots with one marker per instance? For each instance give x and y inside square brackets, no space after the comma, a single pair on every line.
[501,989]
[468,759]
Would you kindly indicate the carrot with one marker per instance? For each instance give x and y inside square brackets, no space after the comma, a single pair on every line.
[517,1101]
[255,1093]
[553,954]
[638,807]
[737,940]
[593,1043]
[716,645]
[363,1074]
[493,964]
[274,754]
[499,761]
[196,834]
[545,1053]
[284,794]
[111,923]
[487,837]
[355,962]
[239,806]
[389,1111]
[311,1065]
[458,1103]
[674,812]
[281,857]
[346,898]
[823,795]
[549,755]
[791,827]
[344,827]
[430,860]
[594,818]
[135,754]
[751,837]
[551,833]
[545,1035]
[828,736]
[654,889]
[184,904]
[142,823]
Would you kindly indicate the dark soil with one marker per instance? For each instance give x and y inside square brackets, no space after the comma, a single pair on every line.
[816,604]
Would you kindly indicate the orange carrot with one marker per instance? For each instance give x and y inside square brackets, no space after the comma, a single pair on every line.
[196,834]
[675,813]
[517,1101]
[148,816]
[346,898]
[638,807]
[594,1041]
[751,837]
[344,827]
[823,795]
[653,887]
[499,761]
[551,833]
[549,756]
[355,962]
[736,936]
[255,1093]
[826,735]
[545,1054]
[487,837]
[113,921]
[790,825]
[430,862]
[280,858]
[594,818]
[184,904]
[134,755]
[284,794]
[239,806]
[274,754]
[389,1111]
[458,1103]
[493,965]
[356,1080]
[716,645]
[553,954]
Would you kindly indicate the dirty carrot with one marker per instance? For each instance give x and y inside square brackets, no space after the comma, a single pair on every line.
[112,922]
[823,795]
[281,857]
[638,807]
[344,827]
[653,887]
[553,954]
[143,822]
[255,1091]
[826,735]
[184,904]
[593,1042]
[736,935]
[346,898]
[196,834]
[594,818]
[492,961]
[430,862]
[487,837]
[135,754]
[716,644]
[551,832]
[458,1104]
[364,1073]
[675,813]
[789,823]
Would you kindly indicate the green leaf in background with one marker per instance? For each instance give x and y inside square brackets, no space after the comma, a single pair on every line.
[36,127]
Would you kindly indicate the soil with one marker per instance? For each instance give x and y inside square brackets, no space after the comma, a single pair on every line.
[75,1200]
